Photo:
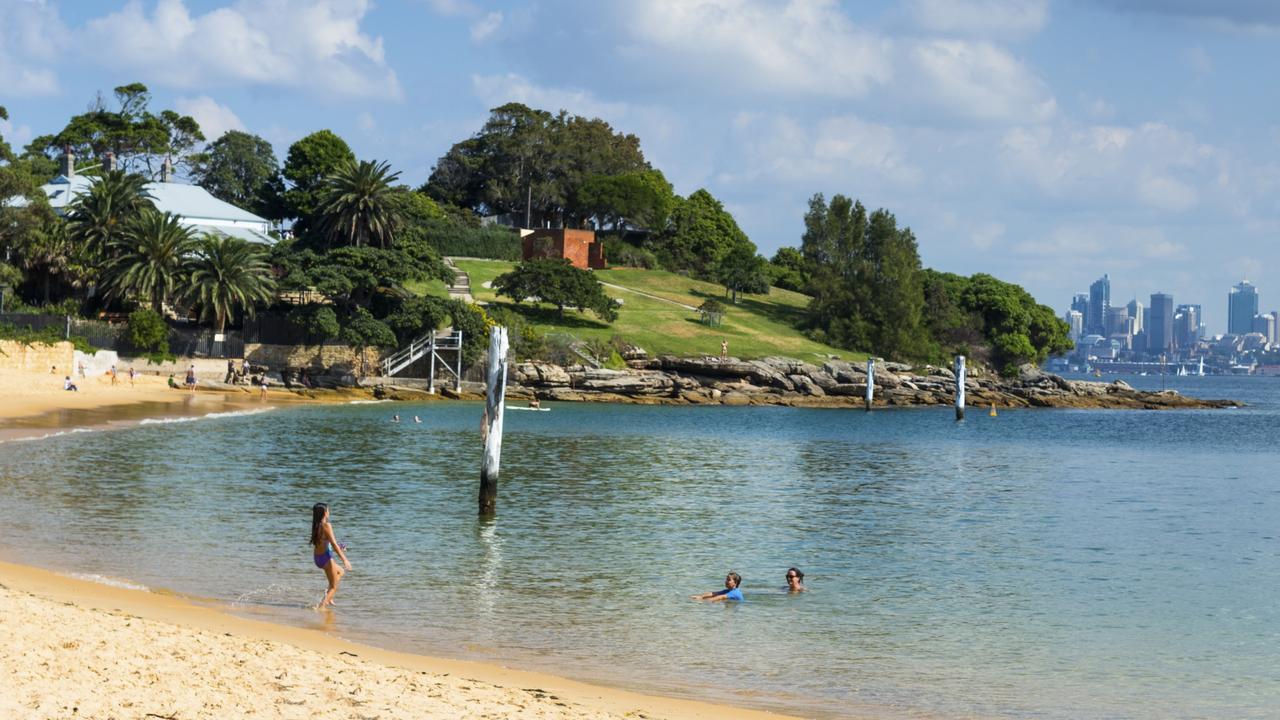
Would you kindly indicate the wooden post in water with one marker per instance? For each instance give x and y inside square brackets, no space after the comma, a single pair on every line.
[871,382]
[497,391]
[959,387]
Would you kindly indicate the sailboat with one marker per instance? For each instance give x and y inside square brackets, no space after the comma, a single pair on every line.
[1201,371]
[1182,371]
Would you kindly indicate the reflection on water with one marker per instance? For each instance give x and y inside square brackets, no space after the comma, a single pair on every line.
[1056,564]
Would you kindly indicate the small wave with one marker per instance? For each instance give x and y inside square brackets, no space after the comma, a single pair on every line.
[46,436]
[210,416]
[366,402]
[108,581]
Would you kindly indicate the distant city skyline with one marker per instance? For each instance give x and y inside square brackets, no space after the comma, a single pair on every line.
[1253,298]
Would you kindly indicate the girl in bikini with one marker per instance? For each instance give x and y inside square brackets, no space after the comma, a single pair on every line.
[324,544]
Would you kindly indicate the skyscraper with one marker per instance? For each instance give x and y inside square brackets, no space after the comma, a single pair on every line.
[1136,312]
[1080,303]
[1160,331]
[1075,320]
[1099,301]
[1186,326]
[1242,306]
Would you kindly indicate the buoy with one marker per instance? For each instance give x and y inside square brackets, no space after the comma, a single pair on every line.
[993,409]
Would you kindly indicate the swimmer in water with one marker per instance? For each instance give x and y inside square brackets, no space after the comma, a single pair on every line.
[731,591]
[795,580]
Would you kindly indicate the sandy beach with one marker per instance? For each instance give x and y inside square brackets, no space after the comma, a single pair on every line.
[74,648]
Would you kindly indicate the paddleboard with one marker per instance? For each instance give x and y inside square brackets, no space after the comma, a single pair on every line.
[518,407]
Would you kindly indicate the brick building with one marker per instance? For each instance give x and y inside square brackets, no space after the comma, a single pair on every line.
[579,247]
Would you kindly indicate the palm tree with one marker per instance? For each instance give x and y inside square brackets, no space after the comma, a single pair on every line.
[359,206]
[228,274]
[101,216]
[151,258]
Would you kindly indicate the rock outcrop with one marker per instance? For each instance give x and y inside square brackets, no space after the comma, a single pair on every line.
[836,383]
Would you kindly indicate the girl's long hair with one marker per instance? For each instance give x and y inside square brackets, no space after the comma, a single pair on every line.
[317,516]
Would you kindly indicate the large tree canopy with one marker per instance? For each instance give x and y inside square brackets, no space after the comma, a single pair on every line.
[310,162]
[140,139]
[239,168]
[531,164]
[557,281]
[700,234]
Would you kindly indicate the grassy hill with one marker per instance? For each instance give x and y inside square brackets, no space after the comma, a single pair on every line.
[652,315]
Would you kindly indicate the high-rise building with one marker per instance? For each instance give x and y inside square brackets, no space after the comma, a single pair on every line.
[1117,321]
[1265,324]
[1075,320]
[1080,303]
[1099,300]
[1136,312]
[1242,306]
[1160,329]
[1186,326]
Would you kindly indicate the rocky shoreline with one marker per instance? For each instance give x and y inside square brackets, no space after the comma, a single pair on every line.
[670,380]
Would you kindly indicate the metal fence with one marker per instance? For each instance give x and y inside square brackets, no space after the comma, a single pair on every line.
[277,329]
[190,342]
[184,341]
[34,321]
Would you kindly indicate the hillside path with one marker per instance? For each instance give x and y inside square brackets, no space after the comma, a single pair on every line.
[651,297]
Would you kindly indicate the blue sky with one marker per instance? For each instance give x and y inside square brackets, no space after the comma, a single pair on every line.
[1046,142]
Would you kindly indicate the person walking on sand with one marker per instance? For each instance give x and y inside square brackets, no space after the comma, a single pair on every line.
[113,374]
[191,378]
[133,375]
[324,545]
[231,373]
[81,369]
[262,386]
[731,590]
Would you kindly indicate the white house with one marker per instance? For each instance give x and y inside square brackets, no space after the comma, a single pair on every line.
[193,205]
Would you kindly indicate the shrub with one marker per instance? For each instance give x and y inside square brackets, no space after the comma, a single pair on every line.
[148,332]
[452,238]
[621,253]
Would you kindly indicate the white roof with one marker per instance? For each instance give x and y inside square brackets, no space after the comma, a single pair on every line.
[192,203]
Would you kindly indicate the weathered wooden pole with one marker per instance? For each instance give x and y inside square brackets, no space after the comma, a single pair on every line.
[959,387]
[457,373]
[871,382]
[497,391]
[431,373]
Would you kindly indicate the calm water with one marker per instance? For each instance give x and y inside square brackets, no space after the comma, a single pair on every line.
[1045,564]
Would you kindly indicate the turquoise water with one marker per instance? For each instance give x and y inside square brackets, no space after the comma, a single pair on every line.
[1042,564]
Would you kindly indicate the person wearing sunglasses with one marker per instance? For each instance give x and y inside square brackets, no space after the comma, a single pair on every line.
[795,580]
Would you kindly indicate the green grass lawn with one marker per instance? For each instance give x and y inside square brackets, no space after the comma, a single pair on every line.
[759,325]
[436,288]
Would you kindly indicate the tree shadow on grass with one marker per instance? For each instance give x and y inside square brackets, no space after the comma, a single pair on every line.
[788,315]
[544,315]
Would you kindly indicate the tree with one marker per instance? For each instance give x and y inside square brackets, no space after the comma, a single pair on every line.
[742,270]
[788,269]
[557,281]
[100,217]
[139,139]
[148,331]
[359,206]
[310,160]
[700,235]
[239,168]
[227,275]
[151,259]
[531,163]
[641,198]
[363,331]
[319,322]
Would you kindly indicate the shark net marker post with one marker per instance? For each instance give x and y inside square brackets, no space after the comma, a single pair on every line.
[959,387]
[496,383]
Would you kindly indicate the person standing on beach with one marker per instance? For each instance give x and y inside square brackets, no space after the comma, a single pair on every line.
[113,374]
[731,590]
[724,349]
[191,378]
[324,545]
[133,375]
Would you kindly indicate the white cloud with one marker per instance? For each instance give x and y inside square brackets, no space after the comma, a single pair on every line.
[976,80]
[843,150]
[486,26]
[31,36]
[980,18]
[1152,165]
[317,45]
[803,47]
[214,118]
